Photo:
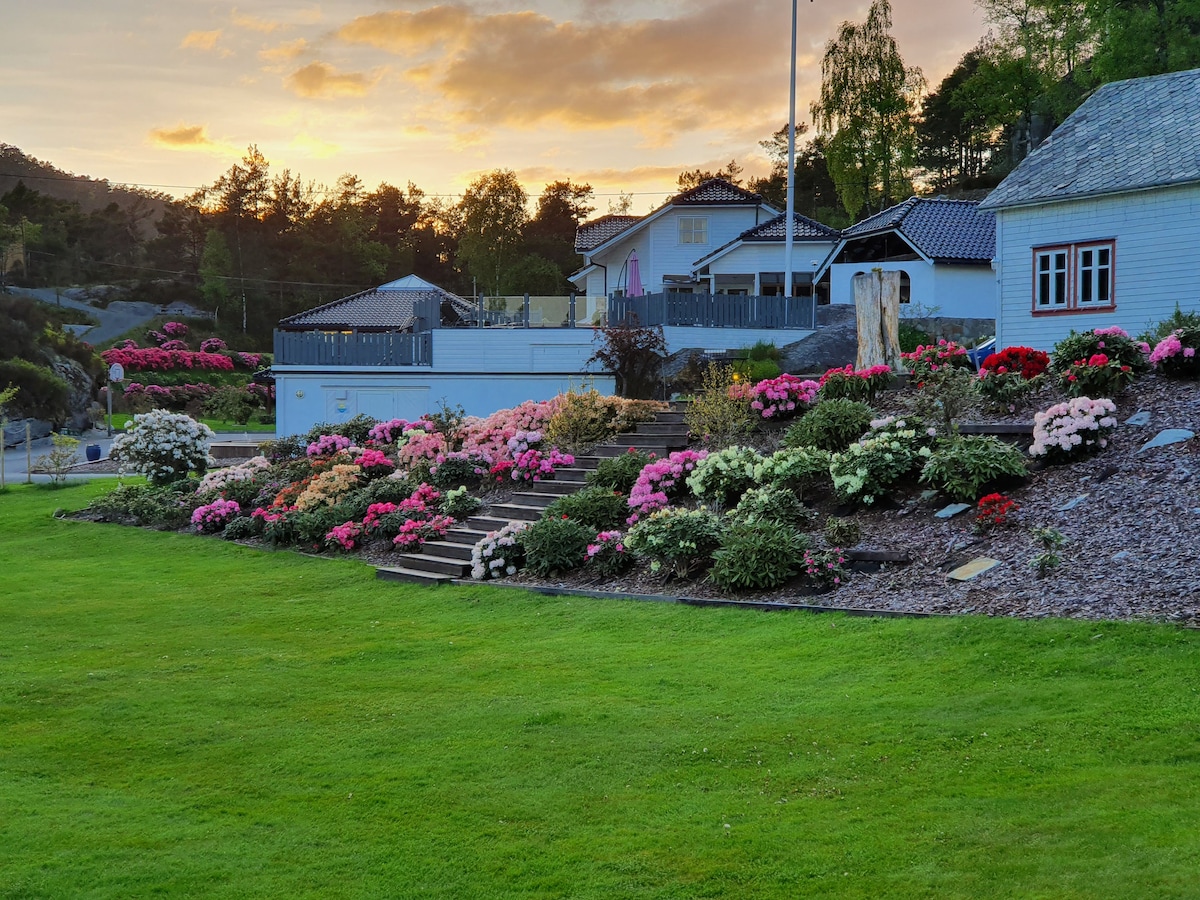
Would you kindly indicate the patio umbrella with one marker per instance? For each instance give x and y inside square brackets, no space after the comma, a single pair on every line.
[635,277]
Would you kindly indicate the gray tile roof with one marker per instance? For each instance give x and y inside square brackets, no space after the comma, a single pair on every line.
[377,309]
[1129,135]
[594,233]
[944,230]
[805,229]
[715,190]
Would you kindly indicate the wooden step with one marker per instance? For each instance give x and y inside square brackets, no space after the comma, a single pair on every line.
[448,550]
[555,487]
[412,576]
[658,449]
[529,498]
[515,512]
[438,565]
[663,429]
[488,523]
[586,463]
[572,476]
[467,536]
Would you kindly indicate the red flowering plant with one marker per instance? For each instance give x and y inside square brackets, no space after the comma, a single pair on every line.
[1100,362]
[1012,373]
[926,360]
[849,383]
[993,511]
[1098,375]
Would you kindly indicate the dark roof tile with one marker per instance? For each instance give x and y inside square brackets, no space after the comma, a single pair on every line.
[943,230]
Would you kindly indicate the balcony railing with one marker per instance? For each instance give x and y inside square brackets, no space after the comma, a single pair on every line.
[716,311]
[320,348]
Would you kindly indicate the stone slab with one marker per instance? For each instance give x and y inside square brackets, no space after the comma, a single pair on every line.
[1168,437]
[1141,417]
[952,510]
[974,568]
[1071,504]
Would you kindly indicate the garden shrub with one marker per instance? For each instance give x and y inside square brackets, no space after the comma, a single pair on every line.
[163,446]
[634,355]
[231,404]
[962,466]
[756,555]
[912,337]
[40,393]
[357,429]
[931,358]
[993,512]
[1012,373]
[1100,361]
[620,473]
[1176,354]
[945,395]
[555,544]
[718,416]
[721,477]
[662,481]
[679,539]
[842,532]
[607,556]
[1178,319]
[1097,374]
[241,528]
[458,469]
[822,570]
[499,554]
[848,383]
[460,504]
[213,517]
[585,418]
[772,504]
[831,425]
[865,471]
[167,505]
[1075,428]
[596,507]
[796,469]
[784,397]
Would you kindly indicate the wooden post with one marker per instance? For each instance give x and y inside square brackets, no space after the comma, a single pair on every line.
[877,304]
[3,428]
[28,454]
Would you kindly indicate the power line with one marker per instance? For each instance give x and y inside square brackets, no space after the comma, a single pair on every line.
[178,274]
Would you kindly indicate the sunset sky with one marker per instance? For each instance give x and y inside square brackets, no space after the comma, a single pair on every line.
[623,94]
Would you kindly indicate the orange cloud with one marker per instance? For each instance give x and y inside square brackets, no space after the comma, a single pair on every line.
[285,51]
[523,69]
[188,137]
[321,80]
[252,23]
[200,40]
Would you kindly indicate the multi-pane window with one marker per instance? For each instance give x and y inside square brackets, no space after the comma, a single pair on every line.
[693,230]
[1073,277]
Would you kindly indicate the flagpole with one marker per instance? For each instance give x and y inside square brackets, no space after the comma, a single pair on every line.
[789,225]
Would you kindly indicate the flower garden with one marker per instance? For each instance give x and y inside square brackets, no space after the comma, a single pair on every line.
[790,503]
[170,375]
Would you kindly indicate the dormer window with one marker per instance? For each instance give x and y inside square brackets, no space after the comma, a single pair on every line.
[693,229]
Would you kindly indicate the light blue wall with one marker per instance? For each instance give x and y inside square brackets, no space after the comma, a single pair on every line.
[1154,262]
[955,291]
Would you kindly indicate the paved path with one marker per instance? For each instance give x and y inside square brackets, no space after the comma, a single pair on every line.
[118,318]
[16,460]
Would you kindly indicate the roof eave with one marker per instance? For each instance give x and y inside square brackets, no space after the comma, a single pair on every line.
[1090,195]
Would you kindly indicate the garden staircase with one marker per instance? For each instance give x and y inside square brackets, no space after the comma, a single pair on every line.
[446,560]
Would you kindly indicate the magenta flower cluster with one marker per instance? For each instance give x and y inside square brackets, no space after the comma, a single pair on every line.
[213,345]
[536,465]
[659,480]
[374,463]
[782,397]
[328,445]
[214,516]
[606,541]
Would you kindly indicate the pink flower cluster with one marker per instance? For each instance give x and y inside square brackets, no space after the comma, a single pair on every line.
[347,535]
[659,480]
[1111,331]
[849,371]
[534,465]
[175,329]
[490,436]
[173,344]
[389,432]
[606,540]
[416,532]
[932,357]
[374,463]
[374,511]
[169,396]
[158,360]
[782,397]
[421,445]
[214,516]
[1169,347]
[328,445]
[1077,426]
[213,345]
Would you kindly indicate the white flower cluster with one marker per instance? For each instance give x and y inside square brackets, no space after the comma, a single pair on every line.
[727,471]
[163,446]
[222,478]
[1077,426]
[499,553]
[867,469]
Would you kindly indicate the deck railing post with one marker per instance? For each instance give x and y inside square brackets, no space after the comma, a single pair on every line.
[525,311]
[571,312]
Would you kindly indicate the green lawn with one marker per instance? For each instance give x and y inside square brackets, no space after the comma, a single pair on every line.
[219,425]
[226,722]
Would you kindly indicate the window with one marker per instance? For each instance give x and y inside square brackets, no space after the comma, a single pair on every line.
[693,230]
[1073,277]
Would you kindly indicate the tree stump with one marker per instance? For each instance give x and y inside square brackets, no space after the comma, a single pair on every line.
[877,303]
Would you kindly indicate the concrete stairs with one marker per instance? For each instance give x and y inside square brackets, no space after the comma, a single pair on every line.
[449,559]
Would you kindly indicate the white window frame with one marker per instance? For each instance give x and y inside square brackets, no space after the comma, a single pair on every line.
[688,229]
[1063,273]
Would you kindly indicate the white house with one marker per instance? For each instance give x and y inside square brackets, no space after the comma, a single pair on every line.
[402,349]
[668,241]
[1099,225]
[752,263]
[942,249]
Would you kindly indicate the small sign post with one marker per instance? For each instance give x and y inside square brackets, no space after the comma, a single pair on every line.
[116,374]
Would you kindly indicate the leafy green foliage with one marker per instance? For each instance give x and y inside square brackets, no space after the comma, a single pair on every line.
[555,544]
[163,506]
[596,507]
[946,394]
[963,466]
[232,404]
[40,393]
[796,469]
[842,532]
[357,429]
[241,528]
[756,555]
[830,425]
[679,539]
[460,504]
[912,337]
[619,473]
[719,415]
[1120,349]
[1177,320]
[775,504]
[723,476]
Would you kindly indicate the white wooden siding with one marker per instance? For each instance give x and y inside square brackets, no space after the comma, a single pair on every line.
[1154,263]
[754,258]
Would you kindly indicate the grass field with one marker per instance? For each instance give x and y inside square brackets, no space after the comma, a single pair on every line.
[219,425]
[219,721]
